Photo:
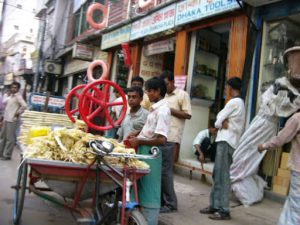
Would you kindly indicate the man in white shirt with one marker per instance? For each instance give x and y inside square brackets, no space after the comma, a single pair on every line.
[230,122]
[203,144]
[15,106]
[154,132]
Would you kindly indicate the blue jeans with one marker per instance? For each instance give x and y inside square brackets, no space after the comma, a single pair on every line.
[151,215]
[219,196]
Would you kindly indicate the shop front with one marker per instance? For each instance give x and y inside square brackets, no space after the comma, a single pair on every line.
[280,23]
[214,40]
[203,42]
[151,43]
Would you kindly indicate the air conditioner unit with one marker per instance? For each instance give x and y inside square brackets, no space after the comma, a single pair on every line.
[257,3]
[53,68]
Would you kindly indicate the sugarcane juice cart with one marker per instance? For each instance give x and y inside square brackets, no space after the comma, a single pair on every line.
[92,168]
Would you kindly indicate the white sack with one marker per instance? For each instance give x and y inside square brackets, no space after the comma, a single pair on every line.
[249,190]
[282,102]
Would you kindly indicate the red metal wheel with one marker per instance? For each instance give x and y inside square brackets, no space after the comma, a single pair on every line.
[94,102]
[74,93]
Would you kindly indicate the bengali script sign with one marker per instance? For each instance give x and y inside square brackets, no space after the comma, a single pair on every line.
[180,81]
[37,99]
[116,37]
[191,10]
[154,23]
[151,66]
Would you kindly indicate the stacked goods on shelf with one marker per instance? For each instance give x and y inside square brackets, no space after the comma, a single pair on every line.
[281,182]
[71,145]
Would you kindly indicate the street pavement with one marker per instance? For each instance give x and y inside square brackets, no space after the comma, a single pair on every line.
[192,195]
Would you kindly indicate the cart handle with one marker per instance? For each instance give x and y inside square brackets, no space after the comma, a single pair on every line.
[99,148]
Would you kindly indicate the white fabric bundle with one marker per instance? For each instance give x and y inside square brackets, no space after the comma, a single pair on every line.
[279,100]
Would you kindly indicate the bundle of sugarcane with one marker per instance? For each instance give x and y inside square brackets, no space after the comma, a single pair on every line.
[71,145]
[41,119]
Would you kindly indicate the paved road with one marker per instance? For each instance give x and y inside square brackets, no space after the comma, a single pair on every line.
[192,195]
[36,210]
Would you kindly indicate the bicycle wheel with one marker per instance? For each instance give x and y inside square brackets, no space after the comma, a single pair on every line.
[135,217]
[20,193]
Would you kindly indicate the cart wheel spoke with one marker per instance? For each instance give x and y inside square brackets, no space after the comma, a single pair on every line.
[74,111]
[109,104]
[95,113]
[108,117]
[106,92]
[93,98]
[77,95]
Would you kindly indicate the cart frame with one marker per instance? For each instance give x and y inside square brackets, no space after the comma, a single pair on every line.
[99,170]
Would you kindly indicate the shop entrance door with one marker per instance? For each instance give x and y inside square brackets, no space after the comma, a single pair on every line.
[208,69]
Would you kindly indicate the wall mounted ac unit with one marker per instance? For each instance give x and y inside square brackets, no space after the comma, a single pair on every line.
[257,3]
[53,68]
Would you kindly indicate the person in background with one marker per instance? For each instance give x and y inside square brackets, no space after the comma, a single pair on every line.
[179,102]
[139,82]
[15,106]
[230,122]
[115,114]
[136,118]
[2,108]
[204,144]
[290,133]
[154,133]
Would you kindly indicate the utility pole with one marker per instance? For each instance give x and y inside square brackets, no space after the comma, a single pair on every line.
[40,55]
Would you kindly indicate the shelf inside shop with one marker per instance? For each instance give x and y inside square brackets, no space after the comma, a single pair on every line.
[204,75]
[201,101]
[215,53]
[272,64]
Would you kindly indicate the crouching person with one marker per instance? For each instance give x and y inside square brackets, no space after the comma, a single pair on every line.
[154,133]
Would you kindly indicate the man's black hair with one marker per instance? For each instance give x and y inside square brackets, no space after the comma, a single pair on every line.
[138,90]
[235,83]
[157,83]
[16,84]
[138,79]
[167,74]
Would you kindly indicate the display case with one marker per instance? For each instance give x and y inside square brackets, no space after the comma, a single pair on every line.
[277,37]
[205,68]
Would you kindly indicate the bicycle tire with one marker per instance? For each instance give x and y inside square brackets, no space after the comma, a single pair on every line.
[135,217]
[20,193]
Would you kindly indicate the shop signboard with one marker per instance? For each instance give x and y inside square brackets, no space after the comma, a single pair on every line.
[191,10]
[116,37]
[151,66]
[83,52]
[156,22]
[37,99]
[159,47]
[74,65]
[100,55]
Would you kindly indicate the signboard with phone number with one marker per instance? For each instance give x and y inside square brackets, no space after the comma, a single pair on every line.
[37,99]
